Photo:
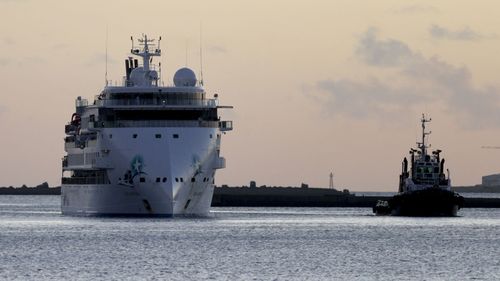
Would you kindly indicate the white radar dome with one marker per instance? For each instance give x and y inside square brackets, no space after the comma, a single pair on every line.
[185,77]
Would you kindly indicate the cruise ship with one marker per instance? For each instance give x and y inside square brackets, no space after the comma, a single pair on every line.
[141,148]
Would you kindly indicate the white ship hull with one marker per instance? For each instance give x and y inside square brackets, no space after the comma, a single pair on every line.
[113,200]
[170,172]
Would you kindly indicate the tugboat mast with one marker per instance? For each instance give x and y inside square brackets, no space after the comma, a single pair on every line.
[423,147]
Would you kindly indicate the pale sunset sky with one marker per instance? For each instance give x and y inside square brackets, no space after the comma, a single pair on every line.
[317,86]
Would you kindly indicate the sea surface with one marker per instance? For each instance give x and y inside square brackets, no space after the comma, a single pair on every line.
[38,243]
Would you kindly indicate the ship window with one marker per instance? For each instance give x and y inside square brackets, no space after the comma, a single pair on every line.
[182,179]
[210,135]
[110,136]
[192,179]
[157,179]
[176,179]
[158,136]
[142,179]
[175,136]
[164,179]
[134,136]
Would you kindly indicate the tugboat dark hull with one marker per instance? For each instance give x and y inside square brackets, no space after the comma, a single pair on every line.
[430,202]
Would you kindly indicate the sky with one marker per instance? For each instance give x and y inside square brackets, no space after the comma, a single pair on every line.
[317,86]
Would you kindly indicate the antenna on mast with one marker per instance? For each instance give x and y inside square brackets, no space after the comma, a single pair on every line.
[159,64]
[201,57]
[106,67]
[186,53]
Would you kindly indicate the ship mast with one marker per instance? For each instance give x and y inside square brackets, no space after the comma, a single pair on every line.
[145,53]
[423,147]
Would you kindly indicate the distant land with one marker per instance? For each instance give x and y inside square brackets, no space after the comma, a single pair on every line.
[478,188]
[45,189]
[278,196]
[41,189]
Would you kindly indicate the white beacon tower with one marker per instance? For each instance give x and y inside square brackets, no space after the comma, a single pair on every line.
[141,148]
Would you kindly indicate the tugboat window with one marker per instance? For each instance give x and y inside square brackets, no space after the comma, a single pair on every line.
[158,136]
[175,136]
[143,180]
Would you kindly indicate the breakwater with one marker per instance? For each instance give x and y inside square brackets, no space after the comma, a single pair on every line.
[273,197]
[310,197]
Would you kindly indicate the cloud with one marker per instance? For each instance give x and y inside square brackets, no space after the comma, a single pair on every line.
[415,9]
[32,60]
[5,61]
[417,80]
[99,59]
[3,109]
[8,41]
[382,53]
[217,49]
[364,99]
[464,34]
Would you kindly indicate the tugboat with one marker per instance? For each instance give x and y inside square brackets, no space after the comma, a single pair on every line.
[424,190]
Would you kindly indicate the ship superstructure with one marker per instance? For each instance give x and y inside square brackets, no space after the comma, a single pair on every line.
[424,187]
[427,170]
[142,148]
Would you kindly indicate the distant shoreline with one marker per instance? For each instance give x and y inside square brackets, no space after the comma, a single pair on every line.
[264,196]
[44,189]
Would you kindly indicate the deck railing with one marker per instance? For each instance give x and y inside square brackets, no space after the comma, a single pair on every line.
[142,102]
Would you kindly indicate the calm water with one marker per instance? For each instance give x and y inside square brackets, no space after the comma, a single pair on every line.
[37,243]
